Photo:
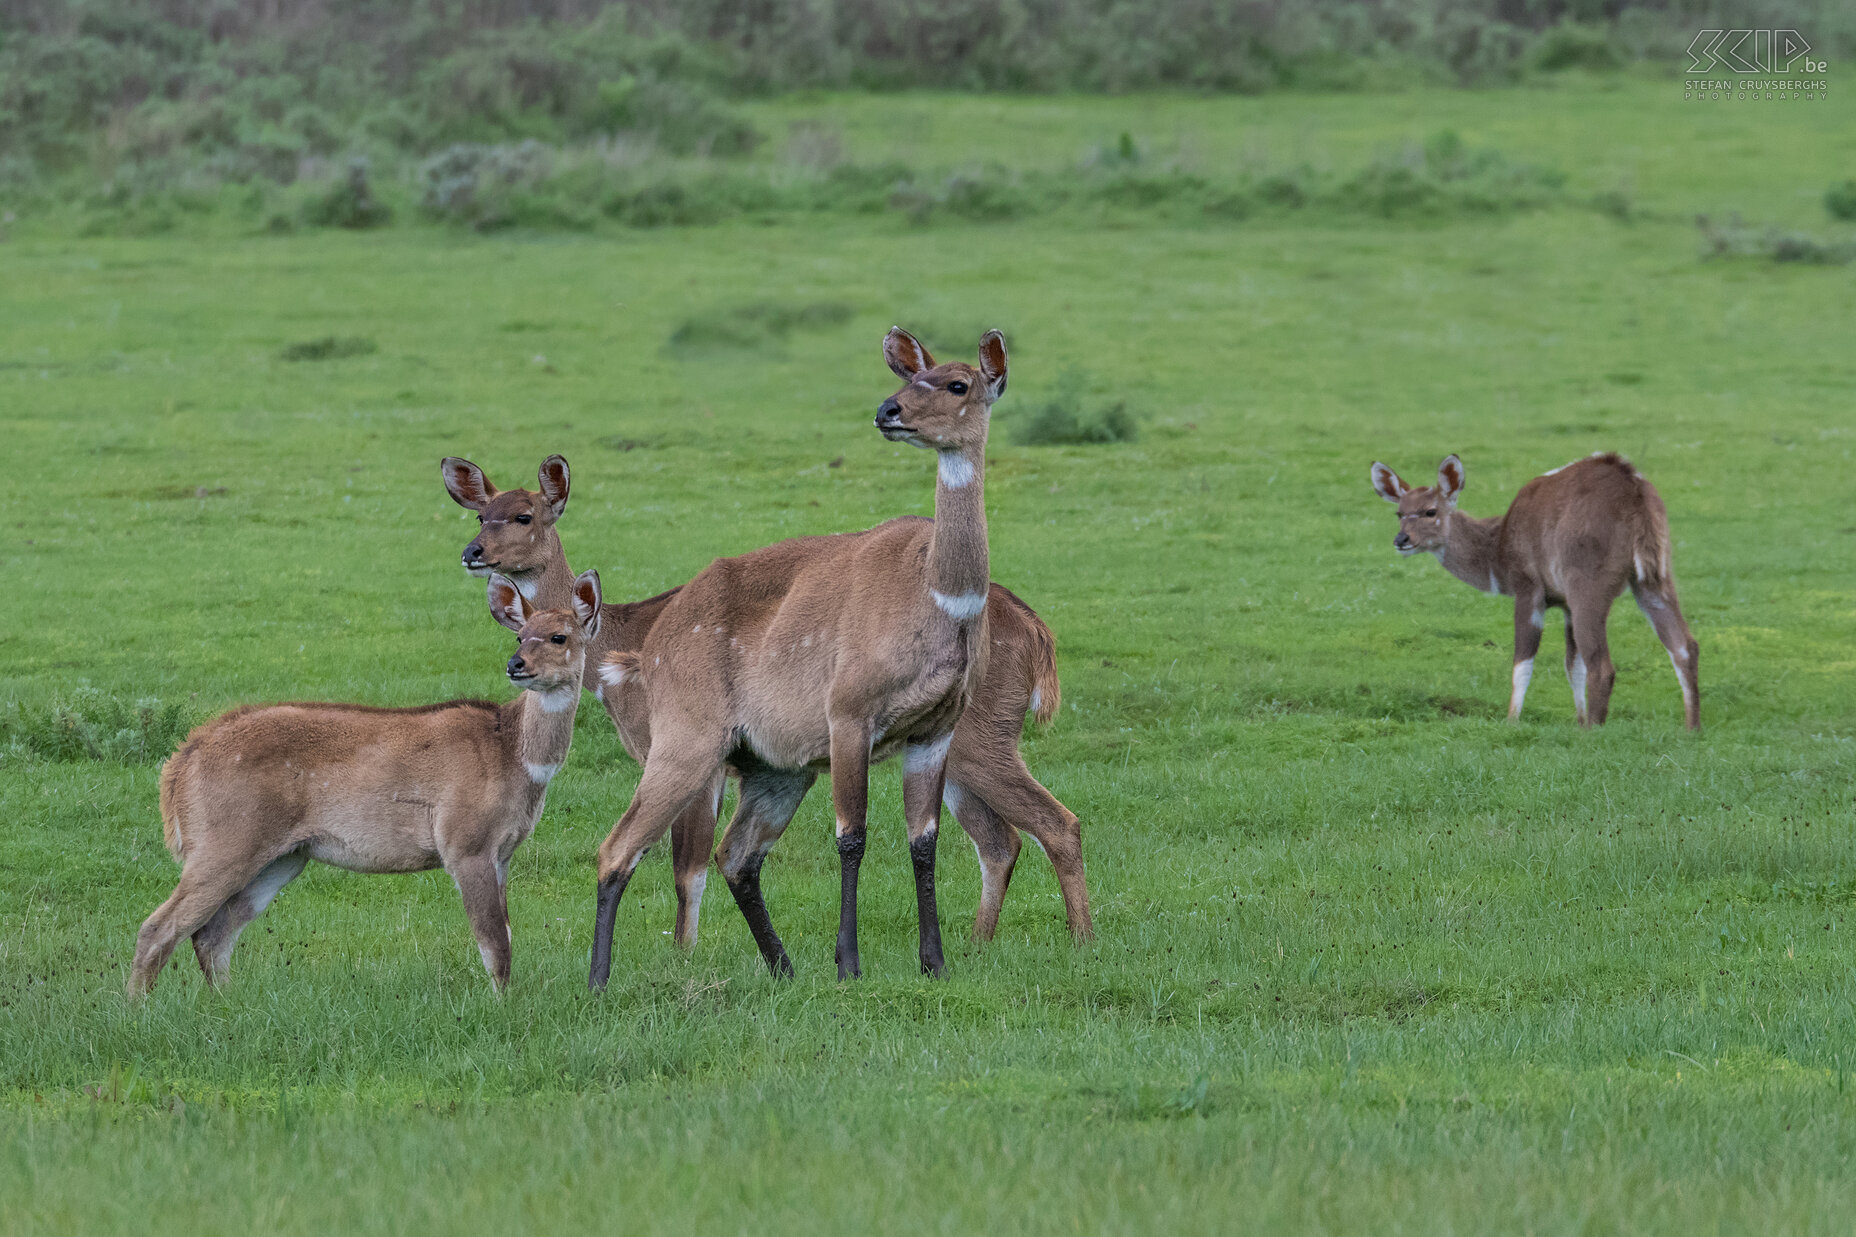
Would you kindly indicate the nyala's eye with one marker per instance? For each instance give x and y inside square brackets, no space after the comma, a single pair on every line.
[523,519]
[558,638]
[958,388]
[1431,514]
[480,519]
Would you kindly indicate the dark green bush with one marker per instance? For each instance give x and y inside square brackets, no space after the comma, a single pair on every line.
[1840,200]
[349,203]
[1571,45]
[1068,418]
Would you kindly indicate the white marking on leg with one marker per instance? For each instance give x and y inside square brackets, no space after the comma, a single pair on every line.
[920,757]
[950,795]
[1538,618]
[960,607]
[1494,587]
[1676,658]
[956,470]
[1575,674]
[541,774]
[489,960]
[694,894]
[1523,675]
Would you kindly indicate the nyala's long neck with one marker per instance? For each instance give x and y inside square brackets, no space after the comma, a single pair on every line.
[551,588]
[1469,551]
[544,722]
[958,570]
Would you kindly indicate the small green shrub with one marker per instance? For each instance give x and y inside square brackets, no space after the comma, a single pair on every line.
[1840,200]
[1570,45]
[1068,419]
[329,348]
[89,724]
[349,203]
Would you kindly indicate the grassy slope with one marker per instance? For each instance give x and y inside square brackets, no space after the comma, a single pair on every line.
[1435,971]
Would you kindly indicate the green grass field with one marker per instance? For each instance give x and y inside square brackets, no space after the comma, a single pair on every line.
[1370,957]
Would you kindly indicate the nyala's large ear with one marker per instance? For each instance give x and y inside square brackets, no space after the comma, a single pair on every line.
[466,484]
[554,483]
[905,354]
[1450,478]
[1388,484]
[992,364]
[586,602]
[507,605]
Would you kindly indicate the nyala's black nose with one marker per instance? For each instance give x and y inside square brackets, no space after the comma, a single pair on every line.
[1401,541]
[888,413]
[473,554]
[515,664]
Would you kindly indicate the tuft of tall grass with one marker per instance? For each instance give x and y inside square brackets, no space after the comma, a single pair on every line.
[91,724]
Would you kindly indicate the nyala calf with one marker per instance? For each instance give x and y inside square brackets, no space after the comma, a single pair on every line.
[1576,537]
[252,796]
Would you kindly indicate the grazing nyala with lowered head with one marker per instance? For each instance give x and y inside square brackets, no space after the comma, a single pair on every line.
[254,795]
[1575,538]
[988,788]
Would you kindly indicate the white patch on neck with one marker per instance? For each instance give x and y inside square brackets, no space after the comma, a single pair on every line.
[956,470]
[920,757]
[525,585]
[962,607]
[1523,675]
[541,774]
[558,699]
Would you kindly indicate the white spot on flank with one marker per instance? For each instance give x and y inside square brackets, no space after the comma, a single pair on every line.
[1679,654]
[559,699]
[1523,675]
[694,630]
[920,757]
[961,607]
[611,674]
[956,470]
[541,774]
